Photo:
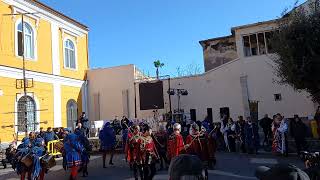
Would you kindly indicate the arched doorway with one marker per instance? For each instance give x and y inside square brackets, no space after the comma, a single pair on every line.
[26,104]
[72,113]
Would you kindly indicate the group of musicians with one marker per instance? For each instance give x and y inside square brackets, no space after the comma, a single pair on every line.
[144,149]
[32,160]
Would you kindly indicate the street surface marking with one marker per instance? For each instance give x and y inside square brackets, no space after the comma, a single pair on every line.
[263,161]
[224,173]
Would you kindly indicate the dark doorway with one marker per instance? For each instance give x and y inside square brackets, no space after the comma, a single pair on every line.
[209,114]
[224,111]
[193,115]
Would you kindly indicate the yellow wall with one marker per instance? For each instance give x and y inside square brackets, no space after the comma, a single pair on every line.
[68,93]
[43,62]
[43,93]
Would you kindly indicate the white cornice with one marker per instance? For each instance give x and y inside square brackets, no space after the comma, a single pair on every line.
[29,7]
[10,72]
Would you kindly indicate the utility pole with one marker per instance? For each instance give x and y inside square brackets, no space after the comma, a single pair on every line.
[23,70]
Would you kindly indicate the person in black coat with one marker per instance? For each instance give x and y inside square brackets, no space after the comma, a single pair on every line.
[298,131]
[251,136]
[266,123]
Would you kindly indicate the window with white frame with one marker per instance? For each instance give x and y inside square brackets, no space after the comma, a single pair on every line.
[69,54]
[257,44]
[28,41]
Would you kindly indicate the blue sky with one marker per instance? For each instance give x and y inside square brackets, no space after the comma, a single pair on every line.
[141,31]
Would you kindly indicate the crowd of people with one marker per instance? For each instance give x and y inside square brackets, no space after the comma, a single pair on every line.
[144,149]
[243,135]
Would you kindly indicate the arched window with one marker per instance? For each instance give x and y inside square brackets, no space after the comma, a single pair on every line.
[29,47]
[27,105]
[72,113]
[69,54]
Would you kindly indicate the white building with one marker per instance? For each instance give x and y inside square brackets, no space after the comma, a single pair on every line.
[238,71]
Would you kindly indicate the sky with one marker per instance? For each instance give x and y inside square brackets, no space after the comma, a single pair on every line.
[142,31]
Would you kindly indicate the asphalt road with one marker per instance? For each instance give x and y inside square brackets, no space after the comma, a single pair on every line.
[230,166]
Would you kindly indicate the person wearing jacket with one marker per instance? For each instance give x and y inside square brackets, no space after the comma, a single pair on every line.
[107,138]
[252,136]
[49,135]
[298,131]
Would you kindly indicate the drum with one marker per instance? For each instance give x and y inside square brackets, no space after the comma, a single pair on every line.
[48,161]
[27,160]
[58,146]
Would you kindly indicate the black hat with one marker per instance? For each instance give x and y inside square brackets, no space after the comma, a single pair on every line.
[145,128]
[185,165]
[281,172]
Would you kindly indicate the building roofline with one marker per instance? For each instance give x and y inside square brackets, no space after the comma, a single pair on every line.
[217,38]
[112,67]
[59,14]
[254,24]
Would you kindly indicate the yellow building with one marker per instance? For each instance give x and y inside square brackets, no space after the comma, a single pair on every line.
[56,53]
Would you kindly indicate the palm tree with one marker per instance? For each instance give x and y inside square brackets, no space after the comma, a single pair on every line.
[157,65]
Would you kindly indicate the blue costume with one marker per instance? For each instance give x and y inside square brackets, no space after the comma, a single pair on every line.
[107,137]
[86,145]
[22,150]
[49,136]
[73,150]
[36,152]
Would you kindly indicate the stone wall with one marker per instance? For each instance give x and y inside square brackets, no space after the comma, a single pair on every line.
[218,51]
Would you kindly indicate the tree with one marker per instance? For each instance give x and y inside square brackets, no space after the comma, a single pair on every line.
[157,65]
[188,70]
[297,50]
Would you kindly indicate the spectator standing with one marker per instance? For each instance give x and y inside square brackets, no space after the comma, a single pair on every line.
[317,118]
[41,133]
[266,123]
[125,130]
[85,123]
[240,129]
[298,131]
[224,130]
[231,135]
[80,130]
[252,136]
[49,135]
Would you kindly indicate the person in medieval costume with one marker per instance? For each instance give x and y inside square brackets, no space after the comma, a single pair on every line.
[22,150]
[134,152]
[107,138]
[252,136]
[85,156]
[279,130]
[197,144]
[240,130]
[37,151]
[224,130]
[72,154]
[161,139]
[212,145]
[149,153]
[175,143]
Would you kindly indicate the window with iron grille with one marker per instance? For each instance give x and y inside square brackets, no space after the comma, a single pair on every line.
[27,105]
